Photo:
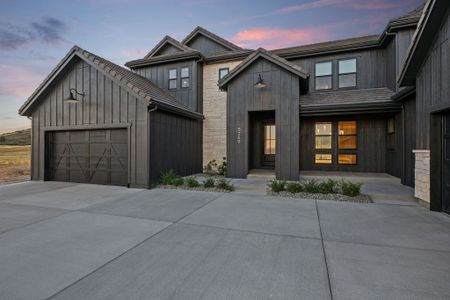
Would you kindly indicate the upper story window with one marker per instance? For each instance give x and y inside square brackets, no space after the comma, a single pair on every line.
[324,75]
[185,77]
[173,79]
[347,73]
[223,72]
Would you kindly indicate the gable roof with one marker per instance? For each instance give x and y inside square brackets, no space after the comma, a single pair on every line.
[263,53]
[171,41]
[134,83]
[212,36]
[429,24]
[164,58]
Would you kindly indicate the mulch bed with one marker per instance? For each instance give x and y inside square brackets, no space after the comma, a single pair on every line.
[317,196]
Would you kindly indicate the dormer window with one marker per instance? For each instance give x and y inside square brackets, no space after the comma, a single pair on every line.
[185,77]
[347,73]
[324,76]
[173,79]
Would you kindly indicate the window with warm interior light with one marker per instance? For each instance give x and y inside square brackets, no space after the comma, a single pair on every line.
[347,135]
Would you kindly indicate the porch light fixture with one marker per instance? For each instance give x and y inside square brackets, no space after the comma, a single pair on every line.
[72,96]
[260,83]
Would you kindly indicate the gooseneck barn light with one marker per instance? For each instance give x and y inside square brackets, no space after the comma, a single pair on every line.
[260,83]
[72,96]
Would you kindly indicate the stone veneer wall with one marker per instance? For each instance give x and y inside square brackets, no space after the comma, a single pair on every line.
[422,176]
[215,112]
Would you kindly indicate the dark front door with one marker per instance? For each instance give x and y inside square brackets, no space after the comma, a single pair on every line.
[446,165]
[268,159]
[88,156]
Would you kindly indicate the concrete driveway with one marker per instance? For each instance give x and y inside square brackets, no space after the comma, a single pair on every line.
[75,241]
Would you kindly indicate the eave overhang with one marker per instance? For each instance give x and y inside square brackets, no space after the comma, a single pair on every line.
[346,109]
[164,59]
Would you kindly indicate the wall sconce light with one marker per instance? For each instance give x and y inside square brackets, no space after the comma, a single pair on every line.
[72,96]
[260,83]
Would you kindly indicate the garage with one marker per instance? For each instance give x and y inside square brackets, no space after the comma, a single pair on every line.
[88,156]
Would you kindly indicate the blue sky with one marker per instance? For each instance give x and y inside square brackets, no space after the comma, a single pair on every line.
[36,34]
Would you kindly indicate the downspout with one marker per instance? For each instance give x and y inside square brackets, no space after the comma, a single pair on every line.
[403,145]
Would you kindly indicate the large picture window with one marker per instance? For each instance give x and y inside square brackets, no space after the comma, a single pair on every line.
[324,75]
[347,73]
[347,135]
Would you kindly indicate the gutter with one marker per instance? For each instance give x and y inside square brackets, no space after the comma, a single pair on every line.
[155,105]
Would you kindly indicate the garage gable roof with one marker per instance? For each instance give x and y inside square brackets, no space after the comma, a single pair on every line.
[263,53]
[134,83]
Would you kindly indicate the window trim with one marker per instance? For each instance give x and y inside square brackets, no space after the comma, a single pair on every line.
[221,69]
[349,73]
[172,79]
[188,77]
[322,76]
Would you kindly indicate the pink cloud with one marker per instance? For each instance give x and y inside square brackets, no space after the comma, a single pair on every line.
[19,81]
[132,53]
[273,38]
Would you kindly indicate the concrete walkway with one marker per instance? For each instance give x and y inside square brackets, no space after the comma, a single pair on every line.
[75,241]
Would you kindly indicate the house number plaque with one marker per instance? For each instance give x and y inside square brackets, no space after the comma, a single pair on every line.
[238,137]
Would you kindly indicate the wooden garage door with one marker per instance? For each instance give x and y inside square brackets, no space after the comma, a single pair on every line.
[88,156]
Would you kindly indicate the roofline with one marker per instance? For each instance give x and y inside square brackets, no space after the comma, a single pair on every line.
[254,56]
[232,55]
[213,36]
[341,109]
[403,94]
[113,75]
[163,59]
[422,40]
[163,41]
[173,109]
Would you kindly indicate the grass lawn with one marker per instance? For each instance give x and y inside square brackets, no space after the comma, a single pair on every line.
[14,163]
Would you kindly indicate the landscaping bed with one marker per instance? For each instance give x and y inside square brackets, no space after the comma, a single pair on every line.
[343,190]
[170,180]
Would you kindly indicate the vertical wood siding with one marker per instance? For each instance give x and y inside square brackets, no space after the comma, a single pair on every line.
[282,96]
[206,46]
[105,103]
[175,144]
[159,75]
[433,84]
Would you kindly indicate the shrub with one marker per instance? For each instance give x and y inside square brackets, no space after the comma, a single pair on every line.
[208,183]
[277,186]
[224,185]
[294,187]
[222,168]
[168,177]
[351,189]
[328,187]
[192,182]
[311,186]
[210,168]
[178,181]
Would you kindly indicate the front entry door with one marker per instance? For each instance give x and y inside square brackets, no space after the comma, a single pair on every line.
[268,159]
[446,165]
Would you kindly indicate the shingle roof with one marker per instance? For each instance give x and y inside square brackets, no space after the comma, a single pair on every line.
[331,46]
[173,42]
[212,36]
[347,97]
[139,85]
[287,65]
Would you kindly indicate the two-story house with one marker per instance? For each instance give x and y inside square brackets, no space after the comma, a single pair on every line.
[333,106]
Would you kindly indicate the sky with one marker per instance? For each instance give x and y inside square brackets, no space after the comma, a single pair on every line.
[36,34]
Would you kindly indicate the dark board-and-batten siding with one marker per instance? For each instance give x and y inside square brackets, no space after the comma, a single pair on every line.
[175,144]
[105,105]
[281,96]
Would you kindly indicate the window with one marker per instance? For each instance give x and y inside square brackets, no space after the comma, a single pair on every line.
[347,159]
[324,76]
[323,135]
[223,72]
[347,135]
[391,134]
[323,159]
[347,73]
[269,139]
[172,79]
[185,77]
